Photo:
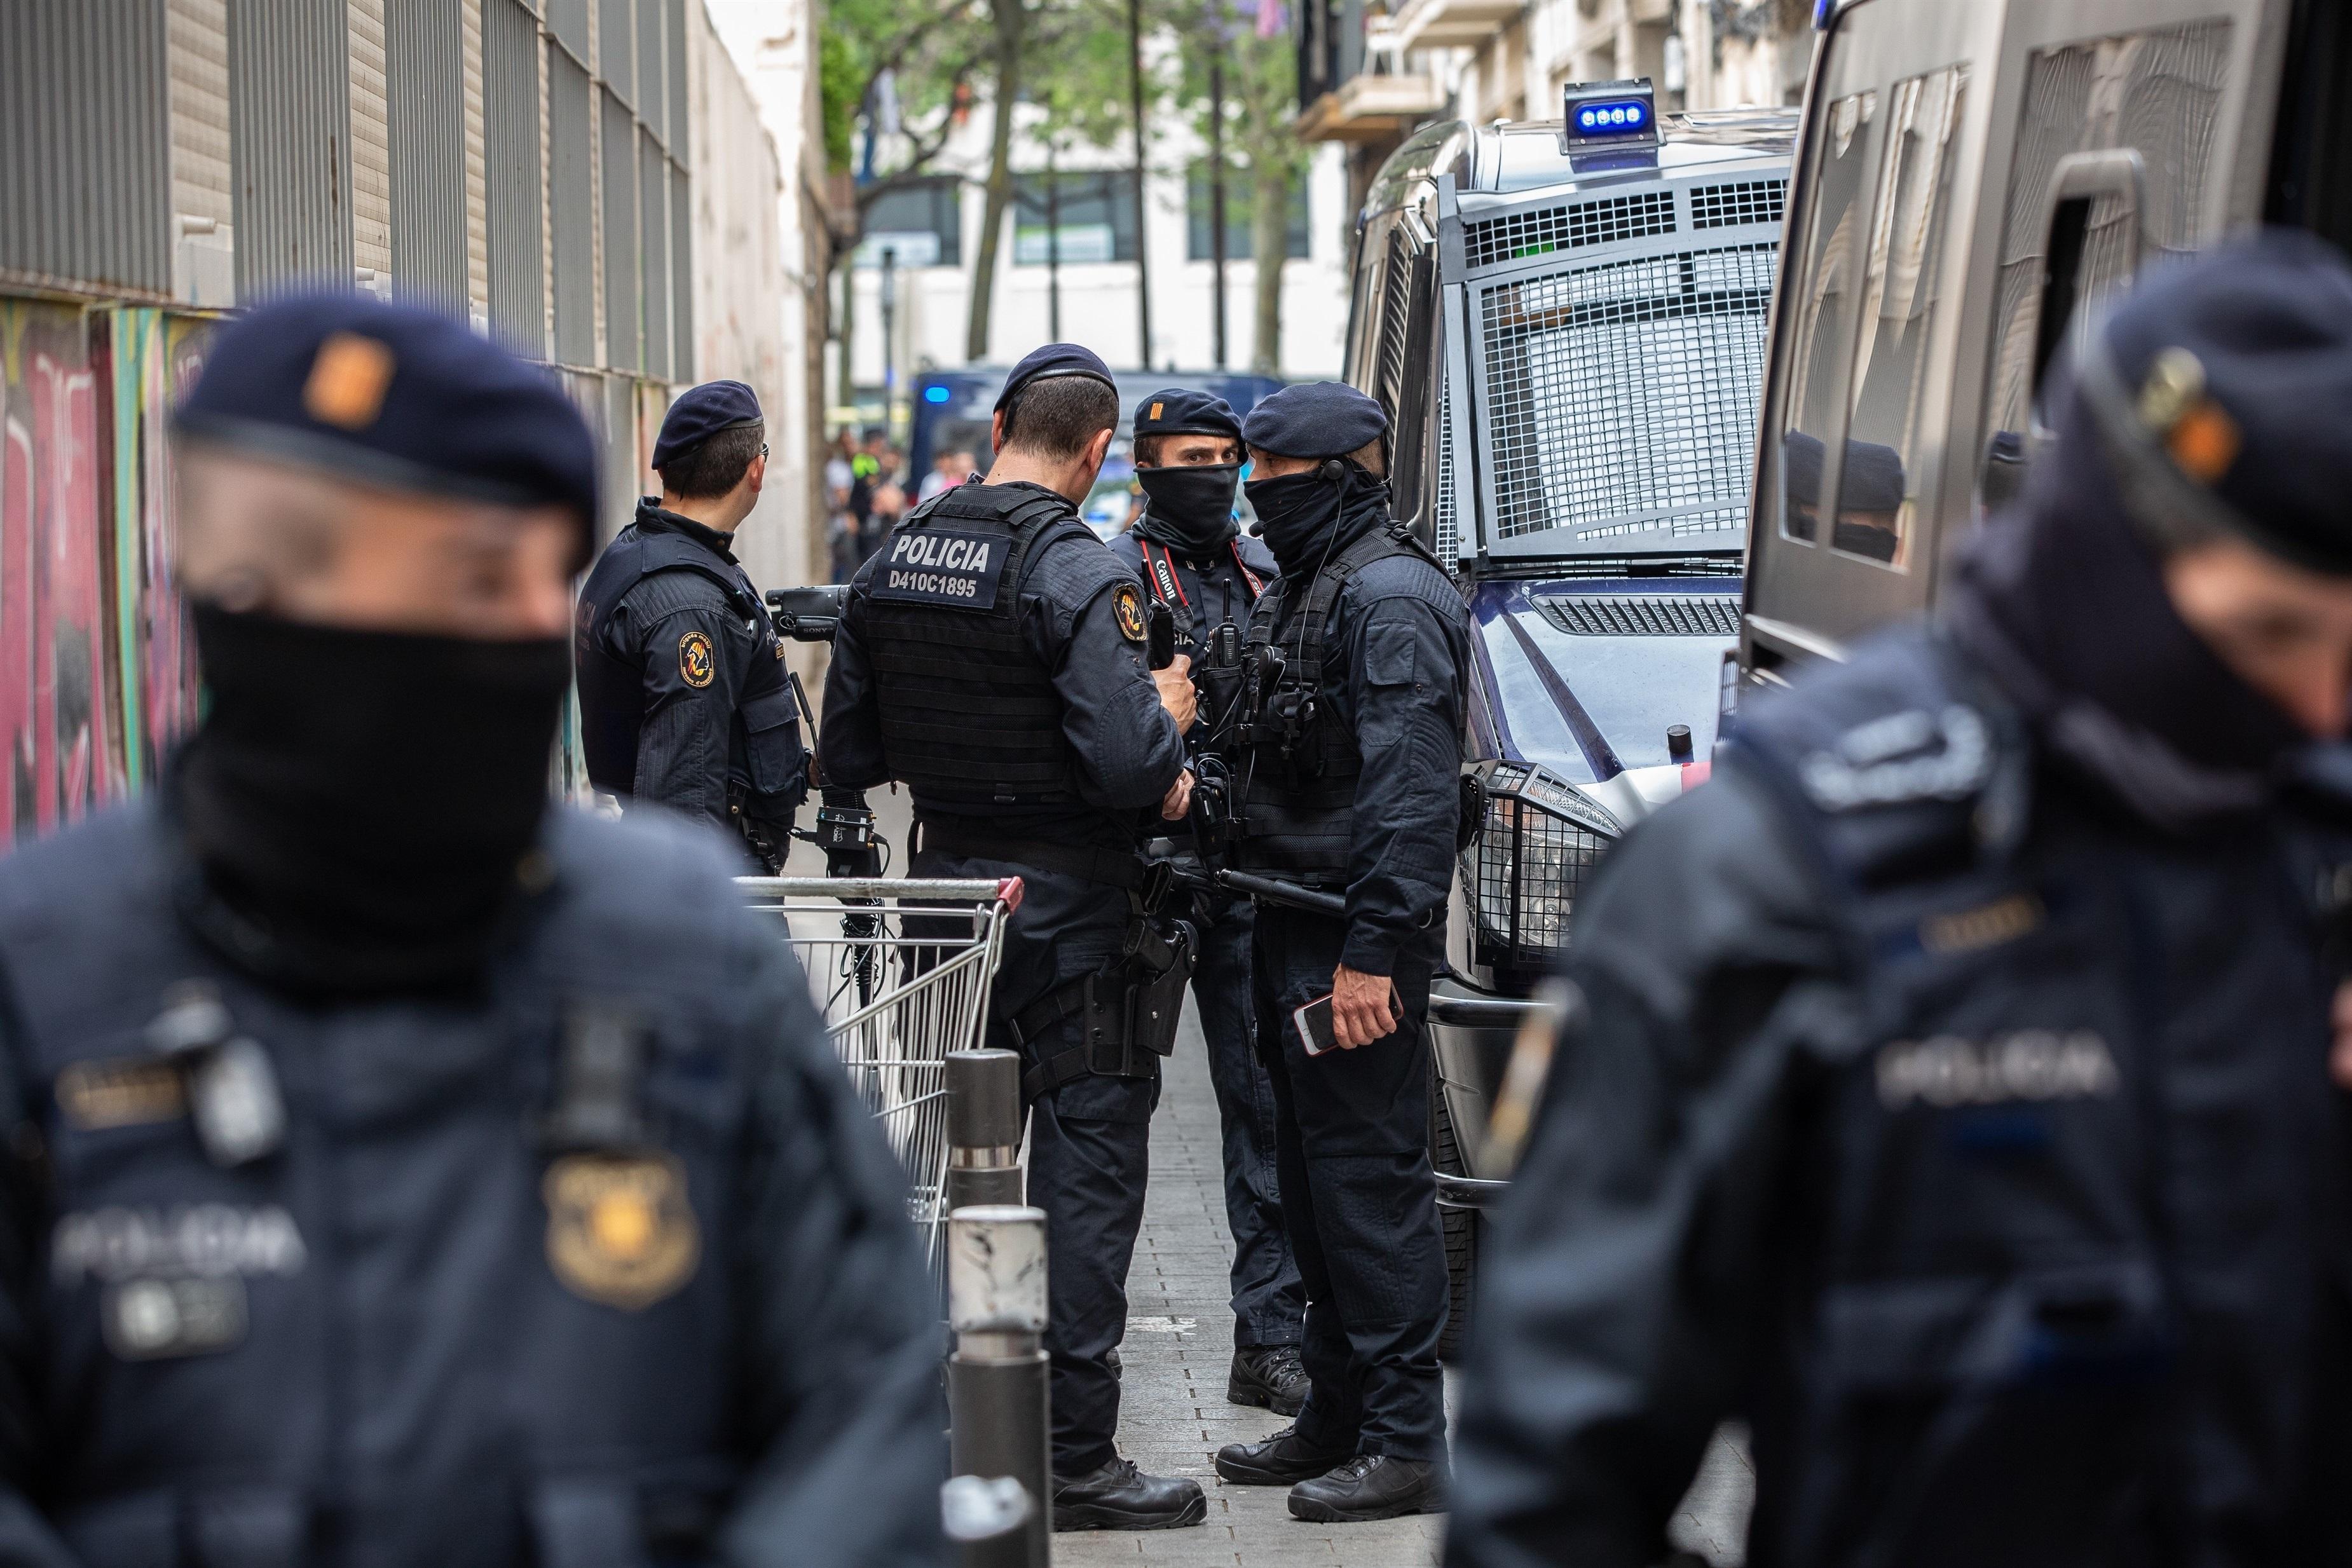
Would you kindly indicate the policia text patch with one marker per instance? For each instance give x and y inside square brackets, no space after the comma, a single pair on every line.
[939,566]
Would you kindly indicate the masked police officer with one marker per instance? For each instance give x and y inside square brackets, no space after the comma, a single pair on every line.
[991,658]
[1956,1101]
[684,696]
[1193,558]
[402,1169]
[1351,785]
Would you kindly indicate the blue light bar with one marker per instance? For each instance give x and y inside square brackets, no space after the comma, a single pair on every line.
[1608,116]
[935,394]
[1630,118]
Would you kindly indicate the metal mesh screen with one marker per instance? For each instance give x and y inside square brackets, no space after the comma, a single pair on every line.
[1642,614]
[1729,207]
[1449,530]
[1515,235]
[1622,397]
[1523,874]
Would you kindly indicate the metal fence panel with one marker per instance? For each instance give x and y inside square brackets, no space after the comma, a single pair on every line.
[654,228]
[572,205]
[87,110]
[568,20]
[675,10]
[424,90]
[289,122]
[623,344]
[616,34]
[681,273]
[511,55]
[651,77]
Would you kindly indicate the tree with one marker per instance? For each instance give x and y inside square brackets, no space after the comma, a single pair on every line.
[1260,109]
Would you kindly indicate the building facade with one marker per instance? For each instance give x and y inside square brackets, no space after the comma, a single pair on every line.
[1371,71]
[587,178]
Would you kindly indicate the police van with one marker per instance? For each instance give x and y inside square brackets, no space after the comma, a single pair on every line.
[1973,182]
[1565,321]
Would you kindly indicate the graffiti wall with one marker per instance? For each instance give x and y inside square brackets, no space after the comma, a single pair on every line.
[96,673]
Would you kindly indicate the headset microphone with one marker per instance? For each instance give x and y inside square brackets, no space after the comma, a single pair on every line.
[1333,470]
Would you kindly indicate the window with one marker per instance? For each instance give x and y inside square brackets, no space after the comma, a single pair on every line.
[1879,487]
[1072,216]
[2158,92]
[1241,208]
[1822,340]
[919,223]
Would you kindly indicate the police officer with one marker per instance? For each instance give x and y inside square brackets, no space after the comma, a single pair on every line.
[1192,558]
[991,658]
[1351,777]
[1956,1102]
[684,696]
[402,1169]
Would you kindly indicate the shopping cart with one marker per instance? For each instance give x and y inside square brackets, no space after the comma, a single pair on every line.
[897,1000]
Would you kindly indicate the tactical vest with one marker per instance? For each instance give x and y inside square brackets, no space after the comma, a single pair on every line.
[1301,765]
[970,721]
[613,690]
[2031,1159]
[452,1280]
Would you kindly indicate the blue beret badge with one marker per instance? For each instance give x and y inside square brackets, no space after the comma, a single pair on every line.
[694,665]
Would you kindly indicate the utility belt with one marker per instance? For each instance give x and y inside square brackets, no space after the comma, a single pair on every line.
[1127,1011]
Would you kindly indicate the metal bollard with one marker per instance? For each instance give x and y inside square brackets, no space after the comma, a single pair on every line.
[998,1417]
[984,1128]
[986,1521]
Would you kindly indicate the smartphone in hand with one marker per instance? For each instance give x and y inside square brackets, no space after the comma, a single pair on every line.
[1313,1023]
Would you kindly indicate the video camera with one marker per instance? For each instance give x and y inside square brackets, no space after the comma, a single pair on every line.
[807,614]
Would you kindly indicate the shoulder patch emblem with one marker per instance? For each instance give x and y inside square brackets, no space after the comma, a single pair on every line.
[696,665]
[1127,605]
[619,1230]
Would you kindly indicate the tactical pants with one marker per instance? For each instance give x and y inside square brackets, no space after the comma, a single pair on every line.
[1089,1146]
[1359,1197]
[1269,1302]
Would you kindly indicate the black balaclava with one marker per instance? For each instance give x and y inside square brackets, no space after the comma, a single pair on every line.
[1297,513]
[363,805]
[2066,602]
[1191,509]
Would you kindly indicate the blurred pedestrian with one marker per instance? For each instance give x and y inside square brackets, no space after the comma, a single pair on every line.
[406,1169]
[1351,785]
[1191,556]
[684,698]
[1956,1104]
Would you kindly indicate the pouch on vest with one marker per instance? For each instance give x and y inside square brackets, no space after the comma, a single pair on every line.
[772,742]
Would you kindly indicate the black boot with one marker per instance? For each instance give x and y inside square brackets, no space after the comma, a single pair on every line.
[1371,1486]
[1120,1496]
[1277,1462]
[1271,1375]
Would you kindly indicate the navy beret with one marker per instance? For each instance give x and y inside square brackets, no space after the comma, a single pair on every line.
[701,412]
[1315,419]
[395,396]
[1872,480]
[2220,389]
[1175,411]
[1054,360]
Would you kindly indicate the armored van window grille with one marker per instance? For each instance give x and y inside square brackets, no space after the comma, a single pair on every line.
[1733,207]
[1622,395]
[1396,299]
[1642,614]
[1449,530]
[1570,226]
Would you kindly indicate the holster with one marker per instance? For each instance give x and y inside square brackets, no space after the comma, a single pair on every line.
[1127,1012]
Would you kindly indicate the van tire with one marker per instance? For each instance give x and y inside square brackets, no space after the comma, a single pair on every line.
[1461,1227]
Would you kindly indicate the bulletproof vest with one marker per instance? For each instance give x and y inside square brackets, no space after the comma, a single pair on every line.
[970,721]
[450,1278]
[2058,1043]
[1301,763]
[612,689]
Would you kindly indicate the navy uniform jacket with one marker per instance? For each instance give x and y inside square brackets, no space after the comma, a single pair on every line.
[1960,1124]
[422,1329]
[1396,669]
[1128,753]
[716,702]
